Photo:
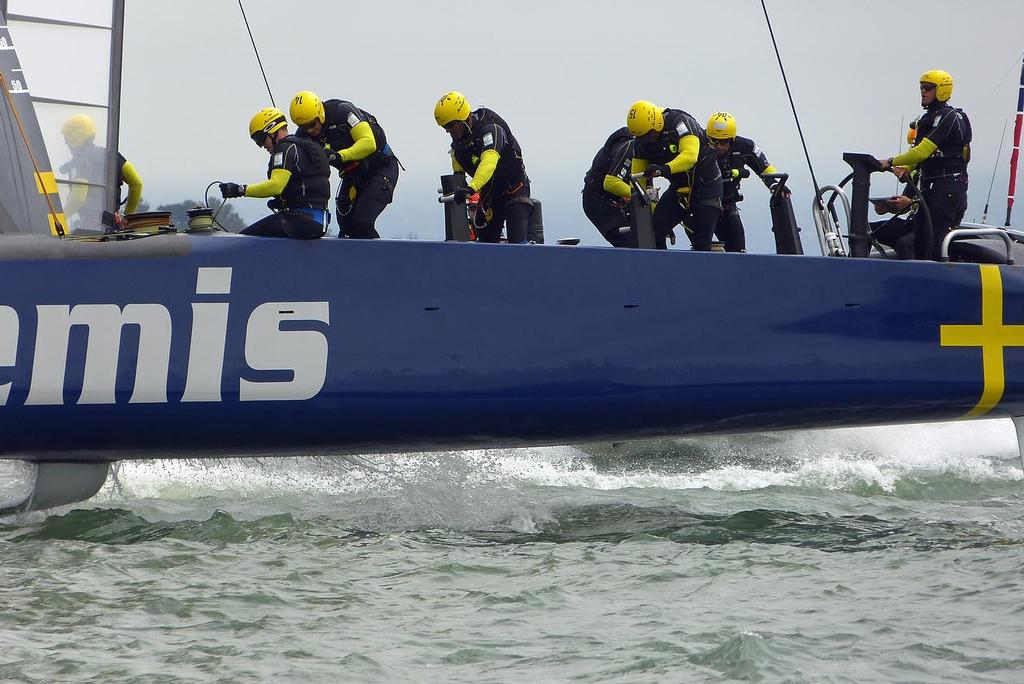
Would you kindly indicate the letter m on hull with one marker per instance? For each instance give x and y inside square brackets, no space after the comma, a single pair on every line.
[103,346]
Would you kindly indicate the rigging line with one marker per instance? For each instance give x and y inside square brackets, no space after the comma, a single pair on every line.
[35,165]
[814,180]
[903,127]
[995,165]
[1016,61]
[258,60]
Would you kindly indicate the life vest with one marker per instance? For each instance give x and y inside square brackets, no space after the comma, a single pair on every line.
[310,182]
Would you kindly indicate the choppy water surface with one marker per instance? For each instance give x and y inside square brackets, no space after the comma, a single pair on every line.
[855,555]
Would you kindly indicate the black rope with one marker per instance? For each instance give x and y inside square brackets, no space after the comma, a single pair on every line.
[995,166]
[810,167]
[258,60]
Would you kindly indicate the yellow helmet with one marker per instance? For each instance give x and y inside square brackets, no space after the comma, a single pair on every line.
[78,130]
[452,106]
[306,108]
[721,126]
[266,122]
[912,132]
[942,81]
[644,116]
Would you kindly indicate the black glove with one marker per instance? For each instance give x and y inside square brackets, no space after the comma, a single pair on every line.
[229,190]
[657,170]
[275,204]
[462,194]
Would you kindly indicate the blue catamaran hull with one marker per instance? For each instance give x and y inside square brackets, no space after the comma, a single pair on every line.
[204,346]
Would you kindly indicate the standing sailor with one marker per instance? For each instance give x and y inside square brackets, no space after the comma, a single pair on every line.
[298,178]
[483,146]
[940,153]
[735,155]
[87,166]
[359,149]
[607,191]
[670,143]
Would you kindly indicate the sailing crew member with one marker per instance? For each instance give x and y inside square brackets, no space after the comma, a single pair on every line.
[736,155]
[483,146]
[358,148]
[607,191]
[940,153]
[670,143]
[898,232]
[298,180]
[88,165]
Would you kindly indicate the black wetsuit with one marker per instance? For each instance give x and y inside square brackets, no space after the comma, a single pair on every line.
[743,152]
[373,178]
[897,232]
[302,205]
[89,163]
[607,211]
[943,175]
[506,195]
[704,200]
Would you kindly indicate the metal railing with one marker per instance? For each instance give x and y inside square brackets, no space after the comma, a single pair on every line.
[826,222]
[961,232]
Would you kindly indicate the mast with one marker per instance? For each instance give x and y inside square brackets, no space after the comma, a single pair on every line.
[113,189]
[1016,146]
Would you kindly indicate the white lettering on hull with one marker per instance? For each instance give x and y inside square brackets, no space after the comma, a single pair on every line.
[267,347]
[304,352]
[8,346]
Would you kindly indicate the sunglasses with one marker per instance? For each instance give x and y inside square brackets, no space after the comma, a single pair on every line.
[927,87]
[259,137]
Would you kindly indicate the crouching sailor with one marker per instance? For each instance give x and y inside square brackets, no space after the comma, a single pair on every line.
[298,180]
[735,155]
[357,146]
[606,189]
[671,144]
[483,146]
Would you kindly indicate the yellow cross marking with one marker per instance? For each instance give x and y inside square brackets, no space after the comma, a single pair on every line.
[991,335]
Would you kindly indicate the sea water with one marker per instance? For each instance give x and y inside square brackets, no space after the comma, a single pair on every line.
[882,554]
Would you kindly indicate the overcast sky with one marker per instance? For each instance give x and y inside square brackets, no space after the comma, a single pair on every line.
[563,75]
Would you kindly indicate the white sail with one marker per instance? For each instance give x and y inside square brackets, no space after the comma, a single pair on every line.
[70,51]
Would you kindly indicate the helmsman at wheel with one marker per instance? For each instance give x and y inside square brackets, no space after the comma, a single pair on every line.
[941,151]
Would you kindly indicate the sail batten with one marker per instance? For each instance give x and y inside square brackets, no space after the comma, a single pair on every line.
[55,22]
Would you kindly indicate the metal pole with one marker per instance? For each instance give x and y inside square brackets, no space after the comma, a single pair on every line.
[114,104]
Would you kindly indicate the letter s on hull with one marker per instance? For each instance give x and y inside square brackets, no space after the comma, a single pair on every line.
[304,352]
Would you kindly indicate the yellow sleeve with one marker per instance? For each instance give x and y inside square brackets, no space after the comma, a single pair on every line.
[689,148]
[916,154]
[485,169]
[639,166]
[618,187]
[363,146]
[76,197]
[134,181]
[456,166]
[272,187]
[770,169]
